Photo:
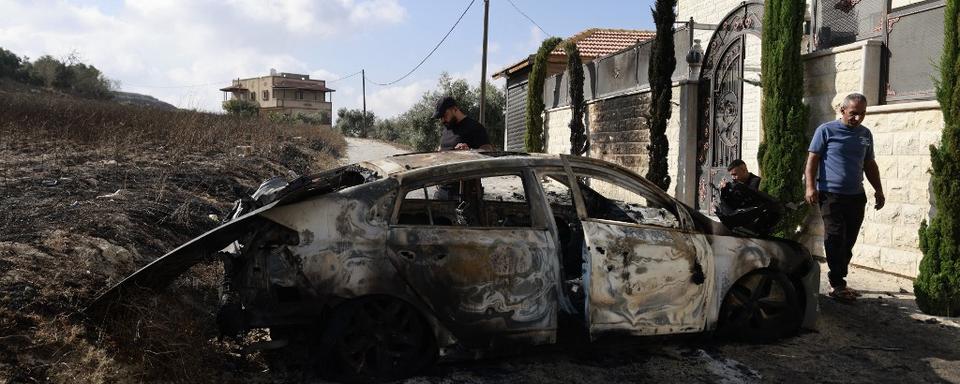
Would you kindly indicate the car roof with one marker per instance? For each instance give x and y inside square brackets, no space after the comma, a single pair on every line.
[398,164]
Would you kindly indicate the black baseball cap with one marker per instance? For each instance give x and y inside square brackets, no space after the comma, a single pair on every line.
[442,105]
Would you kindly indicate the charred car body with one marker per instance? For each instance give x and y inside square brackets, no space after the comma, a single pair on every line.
[398,261]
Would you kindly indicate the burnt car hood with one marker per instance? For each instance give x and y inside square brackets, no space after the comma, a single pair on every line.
[272,193]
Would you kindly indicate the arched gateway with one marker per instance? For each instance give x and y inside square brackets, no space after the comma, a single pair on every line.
[720,121]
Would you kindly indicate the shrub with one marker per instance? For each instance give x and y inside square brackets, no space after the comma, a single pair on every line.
[533,141]
[937,287]
[663,61]
[784,116]
[240,107]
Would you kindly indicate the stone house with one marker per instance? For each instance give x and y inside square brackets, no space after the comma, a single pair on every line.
[885,49]
[286,93]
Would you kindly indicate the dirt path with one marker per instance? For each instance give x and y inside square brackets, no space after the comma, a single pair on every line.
[366,149]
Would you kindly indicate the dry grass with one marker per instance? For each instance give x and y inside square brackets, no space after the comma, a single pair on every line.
[62,240]
[121,128]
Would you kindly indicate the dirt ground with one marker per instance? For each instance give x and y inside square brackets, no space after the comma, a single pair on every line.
[77,219]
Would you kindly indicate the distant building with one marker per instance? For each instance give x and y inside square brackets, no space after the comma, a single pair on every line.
[286,93]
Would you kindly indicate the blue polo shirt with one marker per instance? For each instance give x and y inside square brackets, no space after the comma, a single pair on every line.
[842,151]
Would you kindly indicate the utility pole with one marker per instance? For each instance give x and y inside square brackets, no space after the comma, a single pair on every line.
[483,66]
[363,74]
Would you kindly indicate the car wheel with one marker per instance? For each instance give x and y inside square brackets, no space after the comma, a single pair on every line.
[376,338]
[760,307]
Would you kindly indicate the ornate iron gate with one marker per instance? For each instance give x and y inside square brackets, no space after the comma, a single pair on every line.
[721,100]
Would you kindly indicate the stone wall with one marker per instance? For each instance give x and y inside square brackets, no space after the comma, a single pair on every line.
[902,135]
[556,127]
[618,131]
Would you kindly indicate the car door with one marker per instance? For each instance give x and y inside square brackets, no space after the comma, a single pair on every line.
[484,261]
[648,273]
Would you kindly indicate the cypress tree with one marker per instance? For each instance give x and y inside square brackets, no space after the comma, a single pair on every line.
[783,150]
[663,62]
[578,135]
[533,141]
[937,287]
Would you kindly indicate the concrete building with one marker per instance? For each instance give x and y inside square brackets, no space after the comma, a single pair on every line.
[885,49]
[286,93]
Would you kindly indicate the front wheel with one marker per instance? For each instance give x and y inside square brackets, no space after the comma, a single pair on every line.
[376,338]
[762,306]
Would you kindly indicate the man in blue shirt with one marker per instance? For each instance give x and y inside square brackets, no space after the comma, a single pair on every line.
[840,154]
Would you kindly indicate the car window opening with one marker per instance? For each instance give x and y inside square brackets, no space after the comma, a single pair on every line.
[491,202]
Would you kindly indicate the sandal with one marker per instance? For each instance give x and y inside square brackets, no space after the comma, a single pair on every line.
[842,294]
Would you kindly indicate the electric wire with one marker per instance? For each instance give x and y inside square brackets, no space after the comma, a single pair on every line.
[528,18]
[431,51]
[345,77]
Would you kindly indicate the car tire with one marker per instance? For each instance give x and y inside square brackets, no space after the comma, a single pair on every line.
[762,306]
[376,338]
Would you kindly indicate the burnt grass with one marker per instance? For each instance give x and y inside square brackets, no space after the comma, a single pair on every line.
[92,191]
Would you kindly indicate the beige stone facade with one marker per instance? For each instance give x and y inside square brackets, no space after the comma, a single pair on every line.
[286,93]
[902,135]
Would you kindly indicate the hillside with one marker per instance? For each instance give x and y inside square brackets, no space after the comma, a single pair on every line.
[92,191]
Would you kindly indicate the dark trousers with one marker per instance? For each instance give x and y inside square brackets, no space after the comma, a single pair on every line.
[842,217]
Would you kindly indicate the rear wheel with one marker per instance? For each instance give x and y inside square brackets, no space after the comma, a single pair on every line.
[376,338]
[761,307]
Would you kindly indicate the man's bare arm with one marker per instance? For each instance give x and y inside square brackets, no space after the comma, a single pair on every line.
[810,173]
[872,171]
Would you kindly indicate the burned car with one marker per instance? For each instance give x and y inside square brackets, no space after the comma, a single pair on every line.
[396,262]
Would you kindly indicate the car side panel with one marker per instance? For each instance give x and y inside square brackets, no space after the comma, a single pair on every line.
[646,280]
[484,284]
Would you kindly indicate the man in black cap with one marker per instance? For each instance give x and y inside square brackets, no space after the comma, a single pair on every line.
[460,131]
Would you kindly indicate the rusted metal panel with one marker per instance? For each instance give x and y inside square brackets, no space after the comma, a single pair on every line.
[646,280]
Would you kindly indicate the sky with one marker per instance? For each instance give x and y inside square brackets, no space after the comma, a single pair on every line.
[183,51]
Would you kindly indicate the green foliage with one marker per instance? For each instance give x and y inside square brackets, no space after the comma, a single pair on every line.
[783,150]
[579,143]
[663,62]
[71,76]
[937,287]
[533,141]
[350,122]
[319,118]
[418,129]
[241,107]
[50,72]
[9,64]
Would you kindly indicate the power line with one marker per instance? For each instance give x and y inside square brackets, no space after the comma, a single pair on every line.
[431,51]
[345,77]
[528,18]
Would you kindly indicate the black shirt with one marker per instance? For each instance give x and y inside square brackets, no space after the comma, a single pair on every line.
[753,181]
[467,131]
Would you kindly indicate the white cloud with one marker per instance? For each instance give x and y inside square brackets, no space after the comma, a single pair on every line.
[181,50]
[377,11]
[394,100]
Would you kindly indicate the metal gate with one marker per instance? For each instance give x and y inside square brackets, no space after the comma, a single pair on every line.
[516,113]
[721,100]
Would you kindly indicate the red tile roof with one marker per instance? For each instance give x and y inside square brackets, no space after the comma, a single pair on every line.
[592,43]
[596,42]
